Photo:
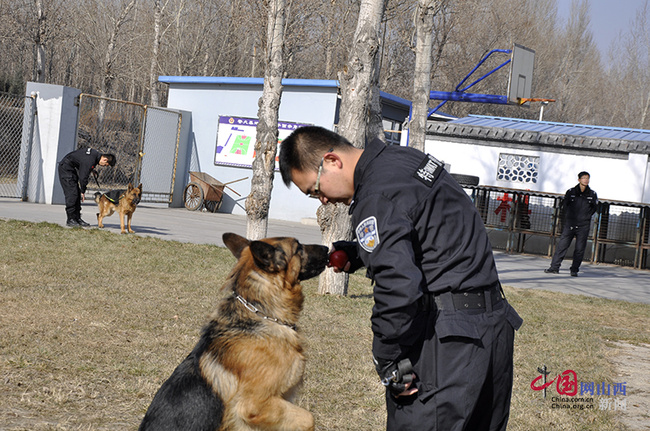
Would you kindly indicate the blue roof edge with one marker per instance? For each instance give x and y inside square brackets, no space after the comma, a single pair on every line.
[245,81]
[326,83]
[553,123]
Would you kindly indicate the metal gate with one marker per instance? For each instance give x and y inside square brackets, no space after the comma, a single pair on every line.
[160,154]
[143,139]
[16,127]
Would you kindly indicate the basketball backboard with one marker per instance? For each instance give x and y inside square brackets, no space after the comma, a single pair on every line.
[520,80]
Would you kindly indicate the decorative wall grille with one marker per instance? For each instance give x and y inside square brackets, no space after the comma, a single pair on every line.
[518,168]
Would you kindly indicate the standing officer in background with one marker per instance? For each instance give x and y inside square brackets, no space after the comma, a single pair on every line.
[580,203]
[443,332]
[74,173]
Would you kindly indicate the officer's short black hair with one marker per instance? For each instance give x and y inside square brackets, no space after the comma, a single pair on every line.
[110,158]
[583,173]
[304,148]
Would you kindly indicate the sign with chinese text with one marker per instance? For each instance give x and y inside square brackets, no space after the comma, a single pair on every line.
[236,139]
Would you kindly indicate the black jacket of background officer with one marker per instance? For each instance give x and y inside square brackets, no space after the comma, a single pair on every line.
[579,206]
[78,164]
[74,172]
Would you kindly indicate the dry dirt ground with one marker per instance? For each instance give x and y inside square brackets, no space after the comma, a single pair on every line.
[633,365]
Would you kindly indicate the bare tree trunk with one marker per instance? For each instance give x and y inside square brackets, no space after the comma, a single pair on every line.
[41,30]
[257,203]
[254,61]
[329,51]
[359,76]
[157,35]
[424,15]
[360,119]
[644,115]
[375,123]
[109,57]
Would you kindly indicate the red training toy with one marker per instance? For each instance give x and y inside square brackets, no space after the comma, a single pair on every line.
[338,259]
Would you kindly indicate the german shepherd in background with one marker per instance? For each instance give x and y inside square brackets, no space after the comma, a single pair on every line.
[124,201]
[249,361]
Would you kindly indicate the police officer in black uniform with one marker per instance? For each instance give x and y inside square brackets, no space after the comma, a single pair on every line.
[74,173]
[579,205]
[443,331]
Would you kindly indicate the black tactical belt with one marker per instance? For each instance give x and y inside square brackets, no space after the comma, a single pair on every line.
[474,300]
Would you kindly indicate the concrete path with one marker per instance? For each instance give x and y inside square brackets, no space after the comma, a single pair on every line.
[179,224]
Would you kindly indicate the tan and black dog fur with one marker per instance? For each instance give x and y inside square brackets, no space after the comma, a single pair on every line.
[127,203]
[249,361]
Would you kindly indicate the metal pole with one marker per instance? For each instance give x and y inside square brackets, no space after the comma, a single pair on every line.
[30,144]
[541,110]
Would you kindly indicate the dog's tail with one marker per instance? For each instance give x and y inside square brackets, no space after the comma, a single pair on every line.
[97,196]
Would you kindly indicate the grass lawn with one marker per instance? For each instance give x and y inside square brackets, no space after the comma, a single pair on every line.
[92,323]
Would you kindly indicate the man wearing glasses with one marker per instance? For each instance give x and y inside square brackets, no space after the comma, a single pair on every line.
[443,332]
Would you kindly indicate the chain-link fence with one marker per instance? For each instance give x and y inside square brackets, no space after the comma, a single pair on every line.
[112,126]
[525,221]
[644,247]
[143,139]
[160,154]
[621,224]
[16,123]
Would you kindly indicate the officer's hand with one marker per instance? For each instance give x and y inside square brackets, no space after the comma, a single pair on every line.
[83,197]
[396,376]
[350,249]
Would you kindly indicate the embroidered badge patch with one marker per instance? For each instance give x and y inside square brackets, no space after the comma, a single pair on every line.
[428,170]
[367,234]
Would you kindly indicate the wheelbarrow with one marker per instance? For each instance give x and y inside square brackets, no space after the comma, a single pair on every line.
[205,191]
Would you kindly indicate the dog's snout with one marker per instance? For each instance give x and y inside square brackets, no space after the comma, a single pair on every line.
[315,262]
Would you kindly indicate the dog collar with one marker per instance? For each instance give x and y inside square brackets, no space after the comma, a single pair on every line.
[254,309]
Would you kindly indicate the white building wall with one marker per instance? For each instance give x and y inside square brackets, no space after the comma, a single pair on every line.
[303,104]
[646,190]
[53,138]
[614,179]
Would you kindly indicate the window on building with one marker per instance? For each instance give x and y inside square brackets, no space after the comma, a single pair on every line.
[518,168]
[392,131]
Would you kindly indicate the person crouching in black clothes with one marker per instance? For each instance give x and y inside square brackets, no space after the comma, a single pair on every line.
[74,173]
[580,203]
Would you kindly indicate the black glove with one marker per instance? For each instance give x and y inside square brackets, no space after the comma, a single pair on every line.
[350,248]
[394,375]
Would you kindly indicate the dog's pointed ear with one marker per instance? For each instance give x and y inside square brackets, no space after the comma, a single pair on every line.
[129,187]
[235,243]
[140,186]
[268,257]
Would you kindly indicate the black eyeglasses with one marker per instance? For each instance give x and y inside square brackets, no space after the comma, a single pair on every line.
[316,193]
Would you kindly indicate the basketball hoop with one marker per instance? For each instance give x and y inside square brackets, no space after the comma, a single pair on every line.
[520,80]
[522,100]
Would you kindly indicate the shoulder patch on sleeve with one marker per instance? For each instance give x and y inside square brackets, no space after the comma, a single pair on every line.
[428,170]
[367,234]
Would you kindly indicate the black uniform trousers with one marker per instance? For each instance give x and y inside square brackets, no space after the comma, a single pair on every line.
[69,180]
[464,372]
[580,233]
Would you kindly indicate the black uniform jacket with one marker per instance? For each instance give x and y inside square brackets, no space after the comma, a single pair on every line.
[579,206]
[80,163]
[418,231]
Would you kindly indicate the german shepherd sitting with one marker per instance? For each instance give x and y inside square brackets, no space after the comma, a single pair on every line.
[249,361]
[124,201]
